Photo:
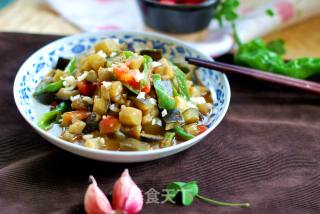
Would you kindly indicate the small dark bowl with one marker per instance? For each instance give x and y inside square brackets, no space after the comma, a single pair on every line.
[177,18]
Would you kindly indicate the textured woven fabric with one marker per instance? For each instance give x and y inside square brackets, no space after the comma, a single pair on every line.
[266,151]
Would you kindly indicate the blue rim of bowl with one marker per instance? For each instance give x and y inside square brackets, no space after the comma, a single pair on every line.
[119,153]
[205,4]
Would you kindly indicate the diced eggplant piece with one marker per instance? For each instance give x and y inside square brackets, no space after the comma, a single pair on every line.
[204,108]
[62,63]
[170,126]
[173,119]
[152,128]
[165,70]
[142,104]
[130,144]
[191,115]
[153,53]
[168,140]
[184,66]
[46,98]
[119,135]
[173,116]
[65,94]
[92,123]
[132,131]
[191,128]
[150,137]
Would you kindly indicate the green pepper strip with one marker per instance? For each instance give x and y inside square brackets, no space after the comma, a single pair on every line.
[167,139]
[71,66]
[174,90]
[165,101]
[49,88]
[182,133]
[182,81]
[46,121]
[130,88]
[147,68]
[128,54]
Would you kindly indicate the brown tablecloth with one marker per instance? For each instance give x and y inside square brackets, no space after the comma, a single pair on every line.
[266,151]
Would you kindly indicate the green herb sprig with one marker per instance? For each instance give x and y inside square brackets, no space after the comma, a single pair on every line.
[226,10]
[190,190]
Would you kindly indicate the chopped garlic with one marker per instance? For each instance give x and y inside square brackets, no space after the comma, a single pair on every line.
[197,100]
[114,108]
[141,95]
[95,143]
[101,53]
[106,84]
[74,98]
[190,105]
[152,101]
[156,64]
[113,54]
[139,76]
[88,100]
[70,82]
[164,113]
[87,136]
[83,76]
[156,121]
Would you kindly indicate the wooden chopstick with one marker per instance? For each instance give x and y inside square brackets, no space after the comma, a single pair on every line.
[261,75]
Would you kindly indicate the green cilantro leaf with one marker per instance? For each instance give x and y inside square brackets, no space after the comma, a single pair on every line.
[270,12]
[226,10]
[189,191]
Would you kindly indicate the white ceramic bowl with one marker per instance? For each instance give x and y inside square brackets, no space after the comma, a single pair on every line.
[37,65]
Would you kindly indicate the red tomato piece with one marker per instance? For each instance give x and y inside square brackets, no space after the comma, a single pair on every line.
[201,128]
[123,74]
[109,124]
[86,88]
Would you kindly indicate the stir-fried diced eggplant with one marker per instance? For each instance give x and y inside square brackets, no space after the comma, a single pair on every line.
[117,98]
[131,144]
[46,98]
[191,115]
[168,140]
[150,137]
[62,63]
[191,128]
[92,123]
[142,104]
[132,131]
[184,66]
[173,116]
[153,53]
[173,119]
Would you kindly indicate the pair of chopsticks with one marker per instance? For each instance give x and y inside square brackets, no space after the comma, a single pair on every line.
[261,75]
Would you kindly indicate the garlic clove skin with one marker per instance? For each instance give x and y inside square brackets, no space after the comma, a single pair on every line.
[127,196]
[95,201]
